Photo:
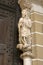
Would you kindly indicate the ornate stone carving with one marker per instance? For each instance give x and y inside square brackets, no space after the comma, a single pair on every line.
[24,27]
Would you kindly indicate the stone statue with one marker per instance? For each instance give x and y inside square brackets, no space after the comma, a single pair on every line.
[24,27]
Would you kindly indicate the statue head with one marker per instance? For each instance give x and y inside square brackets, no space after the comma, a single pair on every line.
[25,13]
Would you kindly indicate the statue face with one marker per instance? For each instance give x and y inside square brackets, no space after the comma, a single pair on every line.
[24,13]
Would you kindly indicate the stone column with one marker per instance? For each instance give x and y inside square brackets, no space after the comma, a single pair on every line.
[24,27]
[27,61]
